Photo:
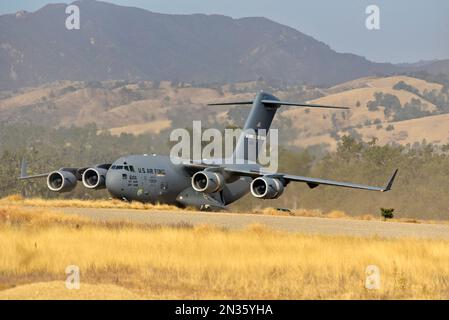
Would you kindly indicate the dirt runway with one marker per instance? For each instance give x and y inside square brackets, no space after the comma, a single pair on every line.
[306,225]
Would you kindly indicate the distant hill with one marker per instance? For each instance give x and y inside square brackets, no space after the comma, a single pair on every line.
[406,109]
[117,42]
[421,114]
[437,67]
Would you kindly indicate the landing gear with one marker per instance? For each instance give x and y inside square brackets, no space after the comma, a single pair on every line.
[205,208]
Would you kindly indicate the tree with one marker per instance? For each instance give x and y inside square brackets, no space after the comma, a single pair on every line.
[387,213]
[401,85]
[390,102]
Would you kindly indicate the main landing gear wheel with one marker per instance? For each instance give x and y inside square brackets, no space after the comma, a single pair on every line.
[205,208]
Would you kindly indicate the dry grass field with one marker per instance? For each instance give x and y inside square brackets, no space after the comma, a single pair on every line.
[123,260]
[18,200]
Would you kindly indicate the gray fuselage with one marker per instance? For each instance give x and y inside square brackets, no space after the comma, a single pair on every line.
[155,179]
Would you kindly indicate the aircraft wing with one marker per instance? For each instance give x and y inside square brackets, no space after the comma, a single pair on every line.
[311,182]
[314,182]
[34,176]
[77,172]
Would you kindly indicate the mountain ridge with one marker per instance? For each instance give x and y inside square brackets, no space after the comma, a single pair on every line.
[117,42]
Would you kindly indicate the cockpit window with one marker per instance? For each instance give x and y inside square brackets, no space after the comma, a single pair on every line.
[121,167]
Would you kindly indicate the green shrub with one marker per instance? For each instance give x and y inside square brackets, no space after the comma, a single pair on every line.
[387,213]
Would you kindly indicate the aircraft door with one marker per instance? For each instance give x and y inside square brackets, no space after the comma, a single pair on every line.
[151,186]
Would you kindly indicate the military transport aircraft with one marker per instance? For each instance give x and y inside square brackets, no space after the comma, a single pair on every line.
[156,179]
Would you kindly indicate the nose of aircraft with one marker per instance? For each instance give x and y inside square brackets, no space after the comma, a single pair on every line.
[114,183]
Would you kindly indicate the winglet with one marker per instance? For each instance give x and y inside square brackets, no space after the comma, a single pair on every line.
[390,182]
[23,168]
[24,172]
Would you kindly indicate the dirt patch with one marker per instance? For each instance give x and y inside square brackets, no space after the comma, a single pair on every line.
[56,290]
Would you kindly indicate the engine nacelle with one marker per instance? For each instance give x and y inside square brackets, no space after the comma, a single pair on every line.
[208,181]
[266,188]
[61,181]
[95,178]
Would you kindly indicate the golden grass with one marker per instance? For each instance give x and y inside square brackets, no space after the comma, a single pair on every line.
[337,214]
[12,216]
[207,262]
[78,203]
[56,290]
[315,213]
[17,200]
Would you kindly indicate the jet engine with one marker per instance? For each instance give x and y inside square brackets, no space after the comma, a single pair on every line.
[94,178]
[266,188]
[61,181]
[208,181]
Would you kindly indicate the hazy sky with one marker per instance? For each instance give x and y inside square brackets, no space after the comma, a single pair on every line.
[410,30]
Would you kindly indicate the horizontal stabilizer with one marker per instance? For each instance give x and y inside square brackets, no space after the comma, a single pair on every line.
[230,103]
[276,103]
[284,103]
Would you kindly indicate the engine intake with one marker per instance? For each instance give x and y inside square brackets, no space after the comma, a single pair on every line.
[266,188]
[94,178]
[208,181]
[61,181]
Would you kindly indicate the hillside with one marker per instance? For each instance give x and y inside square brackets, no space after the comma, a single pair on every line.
[433,129]
[36,48]
[366,123]
[397,109]
[435,67]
